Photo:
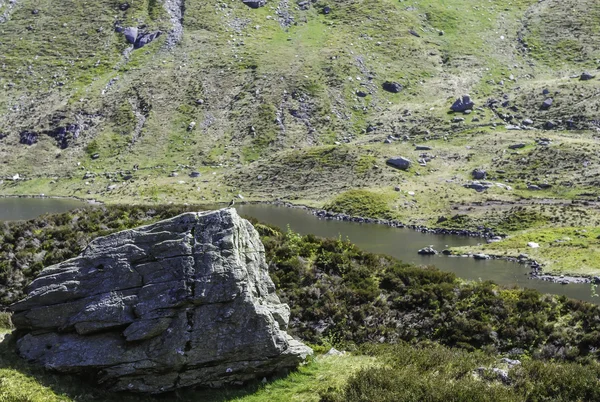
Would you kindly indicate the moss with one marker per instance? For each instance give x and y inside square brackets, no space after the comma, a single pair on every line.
[363,203]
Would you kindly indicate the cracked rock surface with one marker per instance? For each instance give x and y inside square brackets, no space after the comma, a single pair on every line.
[185,301]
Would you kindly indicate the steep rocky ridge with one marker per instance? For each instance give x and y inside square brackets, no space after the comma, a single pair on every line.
[186,301]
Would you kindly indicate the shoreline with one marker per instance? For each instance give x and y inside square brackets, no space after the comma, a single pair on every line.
[55,197]
[534,274]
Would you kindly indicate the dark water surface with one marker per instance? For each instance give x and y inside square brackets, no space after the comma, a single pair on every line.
[14,209]
[404,243]
[399,243]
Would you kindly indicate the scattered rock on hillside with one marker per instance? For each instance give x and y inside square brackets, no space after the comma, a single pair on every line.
[303,5]
[585,76]
[479,186]
[462,104]
[479,174]
[392,87]
[255,3]
[131,34]
[145,39]
[28,137]
[183,302]
[517,146]
[547,104]
[326,10]
[399,162]
[422,148]
[527,122]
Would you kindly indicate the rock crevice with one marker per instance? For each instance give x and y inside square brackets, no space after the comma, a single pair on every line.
[186,301]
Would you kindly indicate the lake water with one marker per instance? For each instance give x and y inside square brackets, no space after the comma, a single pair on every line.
[396,242]
[14,209]
[404,244]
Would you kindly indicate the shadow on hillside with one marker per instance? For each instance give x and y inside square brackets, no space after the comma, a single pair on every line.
[17,375]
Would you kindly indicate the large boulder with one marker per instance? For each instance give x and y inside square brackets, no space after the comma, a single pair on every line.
[183,302]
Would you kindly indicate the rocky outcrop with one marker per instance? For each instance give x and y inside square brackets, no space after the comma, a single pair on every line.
[186,301]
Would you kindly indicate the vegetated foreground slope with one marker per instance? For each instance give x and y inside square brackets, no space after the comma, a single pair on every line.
[353,300]
[289,101]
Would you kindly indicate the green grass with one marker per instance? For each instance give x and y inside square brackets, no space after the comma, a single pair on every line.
[573,250]
[363,203]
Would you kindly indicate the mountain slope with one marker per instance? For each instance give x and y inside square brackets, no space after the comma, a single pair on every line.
[256,100]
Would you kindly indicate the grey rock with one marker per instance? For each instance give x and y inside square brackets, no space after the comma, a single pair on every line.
[481,256]
[414,33]
[502,375]
[510,362]
[516,146]
[183,302]
[585,76]
[547,104]
[131,34]
[28,137]
[422,148]
[254,3]
[334,352]
[399,162]
[462,104]
[527,122]
[549,125]
[195,174]
[478,186]
[146,38]
[392,87]
[304,5]
[361,94]
[479,174]
[427,251]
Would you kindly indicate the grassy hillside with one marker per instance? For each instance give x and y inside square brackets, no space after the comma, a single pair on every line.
[287,102]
